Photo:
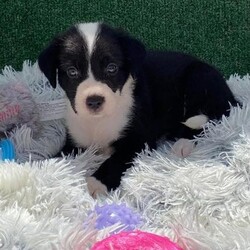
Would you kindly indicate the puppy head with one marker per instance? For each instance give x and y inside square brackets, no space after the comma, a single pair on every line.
[94,64]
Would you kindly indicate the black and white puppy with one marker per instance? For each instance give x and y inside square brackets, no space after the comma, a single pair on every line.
[121,96]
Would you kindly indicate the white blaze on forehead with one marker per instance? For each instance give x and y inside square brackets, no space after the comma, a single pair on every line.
[89,31]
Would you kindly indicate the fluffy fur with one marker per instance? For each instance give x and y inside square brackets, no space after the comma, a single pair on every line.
[201,202]
[122,96]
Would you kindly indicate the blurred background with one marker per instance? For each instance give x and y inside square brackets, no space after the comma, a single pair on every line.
[217,31]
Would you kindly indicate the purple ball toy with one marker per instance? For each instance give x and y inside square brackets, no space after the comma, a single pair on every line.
[110,214]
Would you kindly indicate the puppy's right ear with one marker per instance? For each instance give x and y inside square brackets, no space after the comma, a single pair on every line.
[48,62]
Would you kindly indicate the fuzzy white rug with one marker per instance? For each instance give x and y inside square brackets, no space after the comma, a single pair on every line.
[201,202]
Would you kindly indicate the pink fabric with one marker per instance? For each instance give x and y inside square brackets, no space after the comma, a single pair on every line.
[135,240]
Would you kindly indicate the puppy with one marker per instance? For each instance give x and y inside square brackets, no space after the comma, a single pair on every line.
[121,97]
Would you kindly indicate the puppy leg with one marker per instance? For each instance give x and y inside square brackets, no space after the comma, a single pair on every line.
[95,187]
[109,174]
[206,92]
[183,147]
[207,97]
[196,122]
[186,131]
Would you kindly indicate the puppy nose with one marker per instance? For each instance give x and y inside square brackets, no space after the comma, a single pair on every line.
[94,102]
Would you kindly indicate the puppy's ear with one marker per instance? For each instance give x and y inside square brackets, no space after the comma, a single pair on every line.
[48,62]
[134,50]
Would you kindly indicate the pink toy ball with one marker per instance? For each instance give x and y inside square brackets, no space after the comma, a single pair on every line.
[136,240]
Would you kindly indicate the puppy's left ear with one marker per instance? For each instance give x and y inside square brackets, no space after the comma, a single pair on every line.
[134,50]
[48,62]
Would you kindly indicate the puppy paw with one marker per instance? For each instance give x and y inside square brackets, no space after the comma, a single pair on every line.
[95,187]
[183,148]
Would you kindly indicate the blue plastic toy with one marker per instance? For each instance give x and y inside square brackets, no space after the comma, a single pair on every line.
[7,151]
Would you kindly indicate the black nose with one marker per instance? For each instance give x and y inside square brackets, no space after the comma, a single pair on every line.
[94,102]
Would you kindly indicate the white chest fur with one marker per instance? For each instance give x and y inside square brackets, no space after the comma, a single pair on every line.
[87,130]
[96,131]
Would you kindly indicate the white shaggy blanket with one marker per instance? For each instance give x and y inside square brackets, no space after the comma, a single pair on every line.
[201,202]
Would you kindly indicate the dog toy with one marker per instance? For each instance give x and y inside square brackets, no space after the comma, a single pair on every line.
[111,214]
[31,113]
[7,151]
[17,107]
[136,240]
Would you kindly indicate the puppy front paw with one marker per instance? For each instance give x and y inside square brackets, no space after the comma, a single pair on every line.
[183,147]
[95,187]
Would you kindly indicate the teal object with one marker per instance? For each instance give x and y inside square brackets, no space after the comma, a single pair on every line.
[7,150]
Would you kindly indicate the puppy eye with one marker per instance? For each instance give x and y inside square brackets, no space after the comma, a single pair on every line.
[112,69]
[72,72]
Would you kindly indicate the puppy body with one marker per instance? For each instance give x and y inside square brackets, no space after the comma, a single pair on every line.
[122,96]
